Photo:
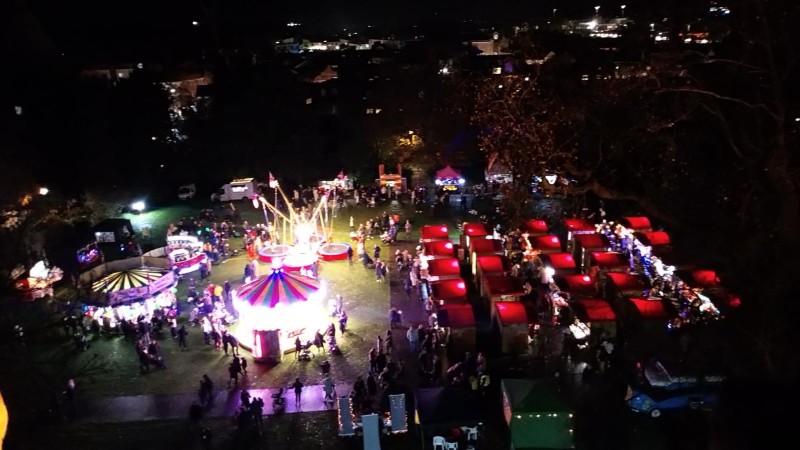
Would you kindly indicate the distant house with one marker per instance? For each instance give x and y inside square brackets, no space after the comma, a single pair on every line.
[108,71]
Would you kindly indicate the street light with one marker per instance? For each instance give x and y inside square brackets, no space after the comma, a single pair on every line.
[597,10]
[138,206]
[43,191]
[622,7]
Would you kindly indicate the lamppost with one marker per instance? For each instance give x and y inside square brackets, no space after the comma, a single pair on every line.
[622,7]
[273,183]
[597,10]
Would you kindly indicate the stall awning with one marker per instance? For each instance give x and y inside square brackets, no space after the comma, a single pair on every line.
[511,313]
[608,260]
[653,238]
[559,261]
[504,286]
[536,227]
[444,267]
[475,229]
[592,241]
[638,223]
[700,278]
[628,284]
[447,173]
[649,309]
[486,247]
[439,248]
[456,315]
[579,226]
[593,310]
[576,285]
[491,264]
[448,289]
[549,243]
[434,232]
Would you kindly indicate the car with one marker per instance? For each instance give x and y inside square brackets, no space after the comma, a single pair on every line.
[654,402]
[187,191]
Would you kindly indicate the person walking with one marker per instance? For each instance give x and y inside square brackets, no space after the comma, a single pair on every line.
[350,254]
[233,372]
[70,393]
[225,341]
[298,391]
[412,337]
[319,342]
[327,386]
[182,337]
[243,365]
[234,344]
[298,347]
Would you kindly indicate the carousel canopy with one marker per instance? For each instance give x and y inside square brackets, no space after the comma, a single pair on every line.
[448,289]
[511,313]
[475,229]
[559,261]
[592,241]
[439,248]
[536,227]
[639,223]
[578,225]
[133,284]
[594,310]
[434,232]
[279,287]
[549,243]
[486,246]
[444,267]
[576,285]
[447,173]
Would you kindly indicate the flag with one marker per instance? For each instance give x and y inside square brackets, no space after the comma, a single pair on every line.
[341,175]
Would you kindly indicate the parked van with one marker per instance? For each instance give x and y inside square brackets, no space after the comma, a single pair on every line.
[239,189]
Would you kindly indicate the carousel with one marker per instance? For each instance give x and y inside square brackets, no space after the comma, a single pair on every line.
[284,304]
[133,285]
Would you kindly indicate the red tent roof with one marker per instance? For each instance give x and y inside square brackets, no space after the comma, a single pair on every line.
[594,310]
[486,246]
[608,260]
[592,241]
[447,173]
[448,289]
[511,312]
[559,261]
[578,225]
[577,285]
[439,248]
[653,238]
[475,229]
[434,232]
[702,278]
[504,286]
[649,309]
[444,267]
[536,227]
[548,243]
[456,315]
[627,283]
[491,264]
[637,223]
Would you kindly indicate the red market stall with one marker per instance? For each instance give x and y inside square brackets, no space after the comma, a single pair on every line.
[512,321]
[443,269]
[599,314]
[624,285]
[448,290]
[546,244]
[578,226]
[709,283]
[484,247]
[607,262]
[472,230]
[501,289]
[659,241]
[536,227]
[646,323]
[490,266]
[577,285]
[584,244]
[458,321]
[561,263]
[638,223]
[434,233]
[439,249]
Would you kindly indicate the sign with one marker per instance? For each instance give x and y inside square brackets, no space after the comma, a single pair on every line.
[372,435]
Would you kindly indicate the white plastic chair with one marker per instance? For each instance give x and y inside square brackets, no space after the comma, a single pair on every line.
[471,433]
[439,443]
[451,446]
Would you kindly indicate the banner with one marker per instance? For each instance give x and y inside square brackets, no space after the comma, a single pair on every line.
[372,434]
[397,408]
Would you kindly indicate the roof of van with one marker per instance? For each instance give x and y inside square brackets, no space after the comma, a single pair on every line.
[243,180]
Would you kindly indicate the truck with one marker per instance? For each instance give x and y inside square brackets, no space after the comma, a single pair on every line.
[238,189]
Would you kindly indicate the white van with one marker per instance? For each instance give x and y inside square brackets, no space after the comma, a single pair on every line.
[239,189]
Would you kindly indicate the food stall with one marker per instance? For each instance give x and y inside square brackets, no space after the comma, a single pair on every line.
[501,289]
[636,223]
[449,179]
[598,314]
[39,282]
[576,227]
[458,322]
[438,250]
[489,266]
[536,227]
[646,321]
[443,291]
[584,244]
[623,285]
[429,233]
[484,247]
[560,263]
[604,262]
[443,269]
[472,230]
[512,321]
[580,285]
[546,244]
[538,414]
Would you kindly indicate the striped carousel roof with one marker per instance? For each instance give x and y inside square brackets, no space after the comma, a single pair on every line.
[278,287]
[127,279]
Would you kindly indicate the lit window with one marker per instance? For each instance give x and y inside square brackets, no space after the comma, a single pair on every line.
[370,111]
[309,100]
[378,110]
[497,70]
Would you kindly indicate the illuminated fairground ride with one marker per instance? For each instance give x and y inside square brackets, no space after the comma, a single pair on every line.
[300,238]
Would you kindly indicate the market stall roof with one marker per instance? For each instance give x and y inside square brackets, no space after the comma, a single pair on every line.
[442,407]
[132,285]
[504,286]
[447,173]
[653,238]
[549,243]
[279,287]
[439,248]
[486,247]
[511,313]
[474,229]
[448,289]
[534,396]
[538,414]
[637,223]
[444,267]
[649,309]
[628,284]
[579,225]
[593,310]
[700,278]
[491,264]
[434,232]
[608,260]
[536,227]
[593,241]
[576,285]
[456,315]
[559,261]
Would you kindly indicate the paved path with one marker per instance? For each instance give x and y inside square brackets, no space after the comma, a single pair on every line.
[224,404]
